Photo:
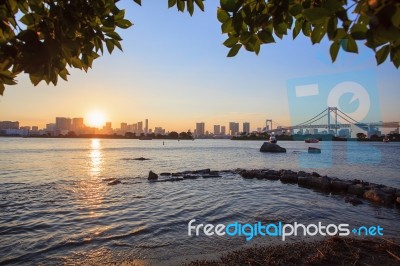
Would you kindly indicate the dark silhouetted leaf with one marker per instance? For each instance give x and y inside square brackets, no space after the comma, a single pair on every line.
[234,50]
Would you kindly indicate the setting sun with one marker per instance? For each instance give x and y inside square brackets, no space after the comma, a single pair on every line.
[96,119]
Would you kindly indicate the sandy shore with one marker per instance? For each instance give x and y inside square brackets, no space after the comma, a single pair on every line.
[331,251]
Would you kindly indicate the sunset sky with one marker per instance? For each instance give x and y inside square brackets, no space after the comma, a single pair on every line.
[174,71]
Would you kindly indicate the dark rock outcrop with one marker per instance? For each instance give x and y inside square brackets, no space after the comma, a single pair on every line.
[114,182]
[288,176]
[313,150]
[202,172]
[249,174]
[165,174]
[338,185]
[320,182]
[152,176]
[356,189]
[354,201]
[270,147]
[378,196]
[141,159]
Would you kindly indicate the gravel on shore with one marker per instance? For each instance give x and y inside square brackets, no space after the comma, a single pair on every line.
[331,251]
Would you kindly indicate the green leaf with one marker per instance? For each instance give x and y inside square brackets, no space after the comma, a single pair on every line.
[231,41]
[200,4]
[296,10]
[110,45]
[334,50]
[332,27]
[123,23]
[306,28]
[118,44]
[358,31]
[2,88]
[318,33]
[76,62]
[333,5]
[114,35]
[396,17]
[350,45]
[35,79]
[63,74]
[181,5]
[227,26]
[190,6]
[171,3]
[265,36]
[297,28]
[222,15]
[228,5]
[234,50]
[316,15]
[139,2]
[382,54]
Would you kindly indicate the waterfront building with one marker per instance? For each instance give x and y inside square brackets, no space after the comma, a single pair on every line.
[139,127]
[77,124]
[223,130]
[146,126]
[246,128]
[217,129]
[200,129]
[233,128]
[9,125]
[63,123]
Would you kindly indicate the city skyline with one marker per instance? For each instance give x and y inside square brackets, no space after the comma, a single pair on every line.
[78,123]
[179,85]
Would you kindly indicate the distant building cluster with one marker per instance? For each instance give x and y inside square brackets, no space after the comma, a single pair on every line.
[64,126]
[234,130]
[221,131]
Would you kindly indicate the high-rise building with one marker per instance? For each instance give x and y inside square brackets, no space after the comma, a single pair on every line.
[233,128]
[63,123]
[159,131]
[9,125]
[140,127]
[146,126]
[223,130]
[50,127]
[124,128]
[77,123]
[200,129]
[246,127]
[217,129]
[35,128]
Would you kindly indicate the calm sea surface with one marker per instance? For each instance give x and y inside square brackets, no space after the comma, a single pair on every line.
[55,206]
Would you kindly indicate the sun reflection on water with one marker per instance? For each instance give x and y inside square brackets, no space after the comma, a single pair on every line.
[90,190]
[96,158]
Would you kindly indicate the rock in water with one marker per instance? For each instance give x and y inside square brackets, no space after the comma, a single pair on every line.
[270,147]
[114,182]
[152,176]
[313,150]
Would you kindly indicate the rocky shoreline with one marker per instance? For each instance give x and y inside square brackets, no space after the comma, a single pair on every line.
[354,191]
[330,251]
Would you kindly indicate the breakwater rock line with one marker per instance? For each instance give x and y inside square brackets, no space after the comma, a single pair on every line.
[353,190]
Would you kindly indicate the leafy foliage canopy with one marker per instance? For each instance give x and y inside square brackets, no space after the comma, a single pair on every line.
[44,38]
